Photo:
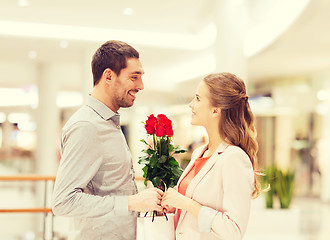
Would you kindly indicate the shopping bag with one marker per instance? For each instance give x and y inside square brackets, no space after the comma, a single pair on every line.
[155,227]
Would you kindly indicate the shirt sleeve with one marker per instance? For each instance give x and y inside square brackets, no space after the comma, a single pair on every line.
[238,184]
[81,159]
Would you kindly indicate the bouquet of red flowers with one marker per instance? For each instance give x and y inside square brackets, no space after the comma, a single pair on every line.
[160,168]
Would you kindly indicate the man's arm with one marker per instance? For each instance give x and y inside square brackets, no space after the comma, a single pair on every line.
[79,164]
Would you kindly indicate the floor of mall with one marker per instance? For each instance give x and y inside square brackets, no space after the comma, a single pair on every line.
[306,219]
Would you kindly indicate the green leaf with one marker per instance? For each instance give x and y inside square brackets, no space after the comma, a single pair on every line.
[155,181]
[153,160]
[173,162]
[171,148]
[144,160]
[145,182]
[149,151]
[162,174]
[154,171]
[145,171]
[160,165]
[180,149]
[164,146]
[177,171]
[144,141]
[162,159]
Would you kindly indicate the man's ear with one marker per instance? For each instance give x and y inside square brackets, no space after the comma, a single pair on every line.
[107,74]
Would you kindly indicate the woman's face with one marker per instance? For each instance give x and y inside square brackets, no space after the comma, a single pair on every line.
[201,106]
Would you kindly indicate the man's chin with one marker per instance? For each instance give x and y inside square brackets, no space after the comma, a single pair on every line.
[127,105]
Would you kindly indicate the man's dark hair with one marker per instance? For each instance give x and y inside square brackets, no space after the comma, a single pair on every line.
[112,54]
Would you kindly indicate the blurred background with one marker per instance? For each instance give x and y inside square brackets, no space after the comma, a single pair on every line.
[280,48]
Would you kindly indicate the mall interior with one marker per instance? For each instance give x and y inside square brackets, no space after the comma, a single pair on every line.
[279,48]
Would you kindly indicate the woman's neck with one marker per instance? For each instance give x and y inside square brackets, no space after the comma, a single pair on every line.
[214,141]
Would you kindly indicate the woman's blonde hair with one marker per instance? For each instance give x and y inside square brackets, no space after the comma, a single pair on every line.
[228,92]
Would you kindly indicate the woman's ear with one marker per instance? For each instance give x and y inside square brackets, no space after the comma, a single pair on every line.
[216,112]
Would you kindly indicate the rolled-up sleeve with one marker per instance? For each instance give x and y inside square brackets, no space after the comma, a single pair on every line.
[80,161]
[121,205]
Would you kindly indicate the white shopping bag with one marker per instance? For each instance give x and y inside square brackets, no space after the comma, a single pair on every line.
[160,229]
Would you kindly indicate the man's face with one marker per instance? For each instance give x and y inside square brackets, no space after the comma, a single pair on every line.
[128,83]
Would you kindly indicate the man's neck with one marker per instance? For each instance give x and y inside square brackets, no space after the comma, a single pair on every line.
[104,98]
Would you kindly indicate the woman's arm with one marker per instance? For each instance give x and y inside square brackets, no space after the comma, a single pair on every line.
[231,220]
[173,199]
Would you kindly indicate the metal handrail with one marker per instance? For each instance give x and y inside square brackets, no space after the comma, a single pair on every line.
[33,178]
[27,178]
[26,210]
[38,178]
[43,210]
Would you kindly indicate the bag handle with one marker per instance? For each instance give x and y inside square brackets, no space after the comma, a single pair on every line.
[154,212]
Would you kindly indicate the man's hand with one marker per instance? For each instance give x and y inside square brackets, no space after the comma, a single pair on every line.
[146,201]
[173,199]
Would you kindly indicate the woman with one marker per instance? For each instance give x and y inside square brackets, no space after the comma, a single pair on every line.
[215,190]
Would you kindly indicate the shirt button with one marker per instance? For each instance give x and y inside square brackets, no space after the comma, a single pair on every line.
[118,126]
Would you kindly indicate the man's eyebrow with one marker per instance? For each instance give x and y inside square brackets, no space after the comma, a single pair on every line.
[137,72]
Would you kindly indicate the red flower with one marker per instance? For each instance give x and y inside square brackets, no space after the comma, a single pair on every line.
[161,126]
[151,124]
[165,126]
[169,131]
[160,129]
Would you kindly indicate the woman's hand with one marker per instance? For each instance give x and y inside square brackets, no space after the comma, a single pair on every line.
[172,199]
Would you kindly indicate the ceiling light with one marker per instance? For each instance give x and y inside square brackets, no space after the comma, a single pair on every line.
[201,40]
[18,97]
[2,117]
[23,3]
[64,44]
[128,11]
[18,117]
[322,109]
[33,54]
[323,95]
[27,126]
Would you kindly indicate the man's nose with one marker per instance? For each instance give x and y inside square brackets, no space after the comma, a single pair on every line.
[140,85]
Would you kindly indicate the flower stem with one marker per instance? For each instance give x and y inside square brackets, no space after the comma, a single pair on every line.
[154,138]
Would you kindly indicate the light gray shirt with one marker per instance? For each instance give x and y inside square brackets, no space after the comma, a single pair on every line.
[95,175]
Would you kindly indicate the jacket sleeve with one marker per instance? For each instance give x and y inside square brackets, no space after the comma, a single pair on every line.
[81,159]
[238,184]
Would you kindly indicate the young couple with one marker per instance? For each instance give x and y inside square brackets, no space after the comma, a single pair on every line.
[95,183]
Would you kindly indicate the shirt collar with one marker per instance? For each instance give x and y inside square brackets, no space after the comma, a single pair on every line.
[102,110]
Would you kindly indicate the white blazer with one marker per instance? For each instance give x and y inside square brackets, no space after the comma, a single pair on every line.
[224,188]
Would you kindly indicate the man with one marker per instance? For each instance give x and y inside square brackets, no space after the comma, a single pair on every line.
[95,183]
